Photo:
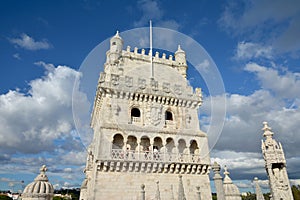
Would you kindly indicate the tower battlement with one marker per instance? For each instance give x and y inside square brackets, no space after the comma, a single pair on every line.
[117,57]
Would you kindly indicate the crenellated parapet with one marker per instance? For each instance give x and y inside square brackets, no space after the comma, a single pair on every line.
[117,57]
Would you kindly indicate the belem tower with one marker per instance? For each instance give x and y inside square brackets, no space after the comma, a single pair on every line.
[147,141]
[146,130]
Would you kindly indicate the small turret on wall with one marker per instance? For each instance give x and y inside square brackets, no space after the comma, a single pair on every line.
[180,58]
[115,50]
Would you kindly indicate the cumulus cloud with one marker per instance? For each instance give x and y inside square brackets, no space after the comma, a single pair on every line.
[27,42]
[39,117]
[285,85]
[239,145]
[249,50]
[37,128]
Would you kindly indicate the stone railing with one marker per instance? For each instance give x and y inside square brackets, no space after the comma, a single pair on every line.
[136,119]
[151,156]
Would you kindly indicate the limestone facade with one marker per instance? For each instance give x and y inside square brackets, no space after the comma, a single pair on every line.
[275,165]
[146,129]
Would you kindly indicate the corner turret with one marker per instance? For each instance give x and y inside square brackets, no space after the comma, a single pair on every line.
[115,50]
[180,59]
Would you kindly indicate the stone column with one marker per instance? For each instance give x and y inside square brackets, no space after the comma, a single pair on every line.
[218,181]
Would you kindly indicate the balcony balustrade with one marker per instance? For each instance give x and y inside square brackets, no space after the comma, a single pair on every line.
[152,156]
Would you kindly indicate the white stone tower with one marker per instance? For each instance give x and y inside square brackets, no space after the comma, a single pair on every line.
[146,129]
[275,165]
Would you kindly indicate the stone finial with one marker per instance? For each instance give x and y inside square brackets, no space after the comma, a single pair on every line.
[226,172]
[43,169]
[179,49]
[216,168]
[267,130]
[42,176]
[227,179]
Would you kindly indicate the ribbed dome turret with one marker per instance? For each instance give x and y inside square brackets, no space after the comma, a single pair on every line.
[40,189]
[231,191]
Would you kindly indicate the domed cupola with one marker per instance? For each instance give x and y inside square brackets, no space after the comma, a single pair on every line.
[231,191]
[40,189]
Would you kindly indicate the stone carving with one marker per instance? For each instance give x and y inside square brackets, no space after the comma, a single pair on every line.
[116,109]
[128,81]
[178,89]
[166,87]
[154,114]
[142,83]
[154,85]
[275,165]
[114,79]
[102,77]
[198,92]
[188,120]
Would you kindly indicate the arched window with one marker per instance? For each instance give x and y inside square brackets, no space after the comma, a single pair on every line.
[118,141]
[132,142]
[135,112]
[169,115]
[193,146]
[135,115]
[181,145]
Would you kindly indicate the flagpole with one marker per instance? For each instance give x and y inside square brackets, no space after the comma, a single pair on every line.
[151,57]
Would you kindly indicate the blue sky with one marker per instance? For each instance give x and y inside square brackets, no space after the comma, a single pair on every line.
[255,45]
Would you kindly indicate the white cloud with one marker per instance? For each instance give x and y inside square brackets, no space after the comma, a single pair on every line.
[29,43]
[151,10]
[276,25]
[249,50]
[239,145]
[17,56]
[204,65]
[39,117]
[284,85]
